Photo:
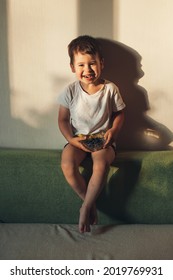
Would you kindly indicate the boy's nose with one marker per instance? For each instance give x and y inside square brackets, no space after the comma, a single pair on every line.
[88,68]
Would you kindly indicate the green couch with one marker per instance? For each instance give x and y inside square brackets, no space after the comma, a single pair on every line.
[39,211]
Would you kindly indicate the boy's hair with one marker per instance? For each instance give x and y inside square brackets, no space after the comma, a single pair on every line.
[86,45]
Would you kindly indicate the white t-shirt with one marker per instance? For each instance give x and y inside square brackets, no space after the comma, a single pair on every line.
[91,113]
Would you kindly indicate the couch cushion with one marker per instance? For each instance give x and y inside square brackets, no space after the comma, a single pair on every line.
[139,188]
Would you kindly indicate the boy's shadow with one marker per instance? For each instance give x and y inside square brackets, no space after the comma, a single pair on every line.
[139,132]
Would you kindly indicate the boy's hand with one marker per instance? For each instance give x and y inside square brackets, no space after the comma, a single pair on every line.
[109,137]
[76,141]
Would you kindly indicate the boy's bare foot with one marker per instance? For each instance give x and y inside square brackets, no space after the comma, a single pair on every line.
[84,219]
[93,215]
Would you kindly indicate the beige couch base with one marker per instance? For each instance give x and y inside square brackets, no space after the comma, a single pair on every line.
[64,242]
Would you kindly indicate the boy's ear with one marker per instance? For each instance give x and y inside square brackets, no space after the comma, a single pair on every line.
[72,67]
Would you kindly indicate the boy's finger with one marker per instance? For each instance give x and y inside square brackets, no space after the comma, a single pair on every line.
[106,144]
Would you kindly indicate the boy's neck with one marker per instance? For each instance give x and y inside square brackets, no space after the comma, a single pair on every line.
[93,88]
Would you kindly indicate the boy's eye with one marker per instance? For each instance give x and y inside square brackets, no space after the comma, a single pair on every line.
[80,65]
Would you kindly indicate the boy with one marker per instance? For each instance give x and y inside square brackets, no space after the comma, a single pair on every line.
[88,106]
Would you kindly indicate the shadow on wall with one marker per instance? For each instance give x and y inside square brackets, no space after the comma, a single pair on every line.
[140,132]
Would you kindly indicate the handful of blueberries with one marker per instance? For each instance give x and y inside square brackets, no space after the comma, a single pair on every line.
[94,142]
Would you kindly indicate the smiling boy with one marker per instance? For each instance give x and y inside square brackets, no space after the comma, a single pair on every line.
[89,106]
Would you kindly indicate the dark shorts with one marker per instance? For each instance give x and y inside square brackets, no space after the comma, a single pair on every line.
[113,147]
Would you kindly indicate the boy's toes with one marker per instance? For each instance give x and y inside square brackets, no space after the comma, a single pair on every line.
[84,228]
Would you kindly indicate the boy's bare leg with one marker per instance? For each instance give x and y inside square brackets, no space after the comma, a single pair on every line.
[70,162]
[71,159]
[101,162]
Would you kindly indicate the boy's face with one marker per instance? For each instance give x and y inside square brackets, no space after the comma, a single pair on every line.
[87,67]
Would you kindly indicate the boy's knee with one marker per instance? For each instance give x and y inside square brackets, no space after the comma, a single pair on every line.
[65,166]
[68,168]
[100,166]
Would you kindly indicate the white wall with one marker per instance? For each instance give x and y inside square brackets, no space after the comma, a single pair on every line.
[35,65]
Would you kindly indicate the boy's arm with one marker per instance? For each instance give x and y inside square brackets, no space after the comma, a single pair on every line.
[64,123]
[66,129]
[112,133]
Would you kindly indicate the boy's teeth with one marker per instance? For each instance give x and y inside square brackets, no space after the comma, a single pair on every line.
[88,76]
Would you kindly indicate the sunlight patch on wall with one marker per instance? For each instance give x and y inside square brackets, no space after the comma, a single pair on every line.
[38,35]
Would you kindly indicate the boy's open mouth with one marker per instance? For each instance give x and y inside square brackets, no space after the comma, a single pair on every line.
[89,76]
